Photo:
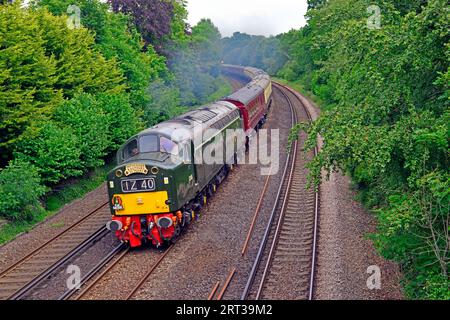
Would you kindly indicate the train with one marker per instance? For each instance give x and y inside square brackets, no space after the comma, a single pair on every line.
[159,186]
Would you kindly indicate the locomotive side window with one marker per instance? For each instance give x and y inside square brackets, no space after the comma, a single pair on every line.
[148,144]
[186,154]
[130,150]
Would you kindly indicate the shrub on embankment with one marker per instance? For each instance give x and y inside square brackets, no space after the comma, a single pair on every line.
[64,104]
[382,72]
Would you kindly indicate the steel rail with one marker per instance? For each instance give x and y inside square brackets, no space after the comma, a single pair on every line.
[35,251]
[261,252]
[265,238]
[149,273]
[95,269]
[213,291]
[227,284]
[22,292]
[99,277]
[316,209]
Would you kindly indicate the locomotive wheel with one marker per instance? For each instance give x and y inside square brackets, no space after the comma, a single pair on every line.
[209,191]
[187,218]
[176,234]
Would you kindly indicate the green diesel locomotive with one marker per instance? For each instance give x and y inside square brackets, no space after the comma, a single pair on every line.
[162,179]
[165,174]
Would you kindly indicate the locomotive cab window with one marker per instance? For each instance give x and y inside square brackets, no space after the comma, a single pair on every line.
[168,146]
[185,153]
[148,143]
[130,150]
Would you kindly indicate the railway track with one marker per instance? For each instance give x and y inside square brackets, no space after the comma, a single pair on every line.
[79,295]
[93,271]
[23,276]
[285,264]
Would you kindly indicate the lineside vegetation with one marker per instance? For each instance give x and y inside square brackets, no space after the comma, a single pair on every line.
[70,94]
[380,70]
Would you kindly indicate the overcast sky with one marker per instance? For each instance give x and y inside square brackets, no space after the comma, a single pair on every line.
[258,17]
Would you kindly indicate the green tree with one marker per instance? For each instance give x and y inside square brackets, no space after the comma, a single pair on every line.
[386,122]
[54,150]
[122,119]
[116,37]
[89,124]
[80,66]
[42,61]
[27,75]
[257,51]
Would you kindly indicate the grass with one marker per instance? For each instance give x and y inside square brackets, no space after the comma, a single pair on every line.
[298,86]
[10,230]
[54,200]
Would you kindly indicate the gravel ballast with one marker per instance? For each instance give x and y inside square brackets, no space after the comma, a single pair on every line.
[346,258]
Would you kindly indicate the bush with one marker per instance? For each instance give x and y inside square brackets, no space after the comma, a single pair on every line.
[122,120]
[117,38]
[89,123]
[55,152]
[20,190]
[386,122]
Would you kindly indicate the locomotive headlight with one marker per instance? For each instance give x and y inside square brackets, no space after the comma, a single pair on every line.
[164,222]
[154,170]
[114,225]
[119,173]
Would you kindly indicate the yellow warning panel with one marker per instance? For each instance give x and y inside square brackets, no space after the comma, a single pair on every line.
[142,203]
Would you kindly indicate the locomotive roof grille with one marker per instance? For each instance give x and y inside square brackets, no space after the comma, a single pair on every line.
[180,121]
[202,115]
[222,123]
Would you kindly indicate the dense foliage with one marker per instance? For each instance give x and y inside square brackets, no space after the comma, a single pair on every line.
[41,63]
[117,38]
[19,200]
[381,73]
[386,121]
[153,18]
[78,78]
[257,51]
